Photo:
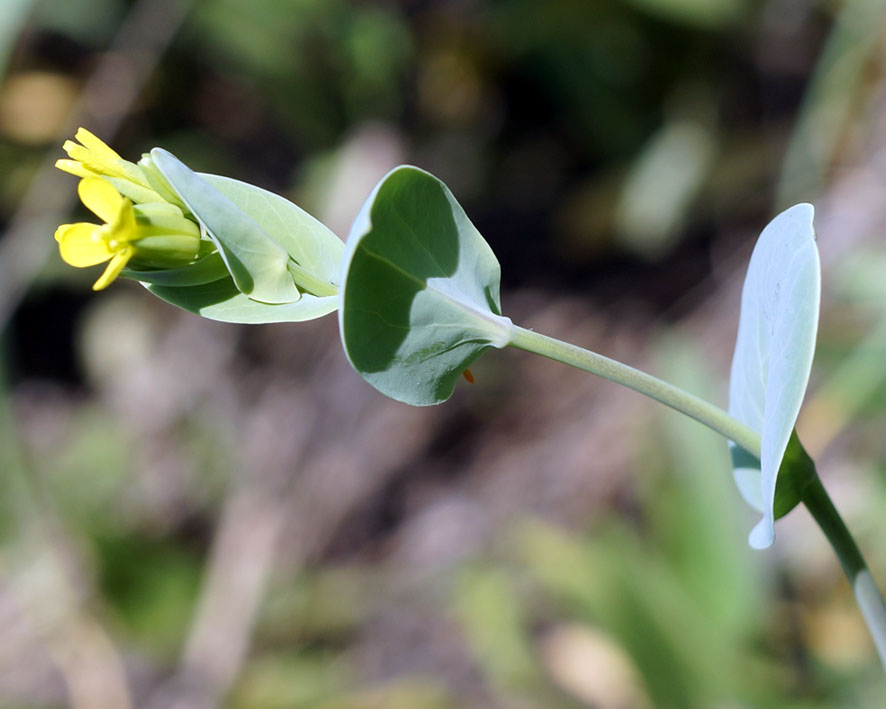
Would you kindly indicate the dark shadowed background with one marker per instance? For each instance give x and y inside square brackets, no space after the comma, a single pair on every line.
[195,514]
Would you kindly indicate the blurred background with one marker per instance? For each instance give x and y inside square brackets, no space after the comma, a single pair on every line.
[195,514]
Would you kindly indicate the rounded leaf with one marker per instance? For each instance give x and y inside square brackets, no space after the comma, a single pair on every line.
[308,241]
[257,263]
[420,290]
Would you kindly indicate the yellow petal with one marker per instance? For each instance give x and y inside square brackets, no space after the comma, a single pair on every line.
[75,167]
[96,145]
[101,197]
[118,263]
[123,227]
[78,153]
[98,157]
[81,245]
[63,228]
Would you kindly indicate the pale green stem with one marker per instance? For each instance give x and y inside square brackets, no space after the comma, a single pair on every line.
[814,496]
[822,509]
[711,416]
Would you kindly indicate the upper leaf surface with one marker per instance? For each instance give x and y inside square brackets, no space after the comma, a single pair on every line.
[420,294]
[257,263]
[307,240]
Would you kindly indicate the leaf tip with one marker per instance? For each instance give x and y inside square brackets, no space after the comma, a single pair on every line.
[762,535]
[801,215]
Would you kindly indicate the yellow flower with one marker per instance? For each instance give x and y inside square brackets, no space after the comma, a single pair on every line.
[93,158]
[144,221]
[156,234]
[85,244]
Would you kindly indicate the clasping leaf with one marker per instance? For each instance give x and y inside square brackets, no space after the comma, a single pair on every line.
[420,290]
[257,263]
[267,248]
[772,361]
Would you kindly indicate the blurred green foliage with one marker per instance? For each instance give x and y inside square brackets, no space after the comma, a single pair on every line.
[151,586]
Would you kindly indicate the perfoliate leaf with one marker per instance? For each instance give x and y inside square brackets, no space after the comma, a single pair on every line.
[221,300]
[420,291]
[256,232]
[206,269]
[257,263]
[773,358]
[309,242]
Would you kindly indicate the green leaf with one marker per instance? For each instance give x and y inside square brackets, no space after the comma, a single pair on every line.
[493,624]
[220,300]
[307,241]
[697,13]
[255,232]
[207,269]
[257,263]
[773,356]
[420,297]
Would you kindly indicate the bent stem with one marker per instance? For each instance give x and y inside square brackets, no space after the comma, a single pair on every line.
[711,416]
[822,509]
[813,495]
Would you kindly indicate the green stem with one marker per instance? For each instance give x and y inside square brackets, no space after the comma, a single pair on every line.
[711,416]
[812,494]
[822,509]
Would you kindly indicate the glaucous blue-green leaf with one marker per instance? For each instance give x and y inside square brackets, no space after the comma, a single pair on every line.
[308,241]
[420,290]
[773,356]
[206,287]
[257,263]
[206,269]
[221,300]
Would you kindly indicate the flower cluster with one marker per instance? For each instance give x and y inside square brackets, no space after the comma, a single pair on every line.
[208,244]
[144,221]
